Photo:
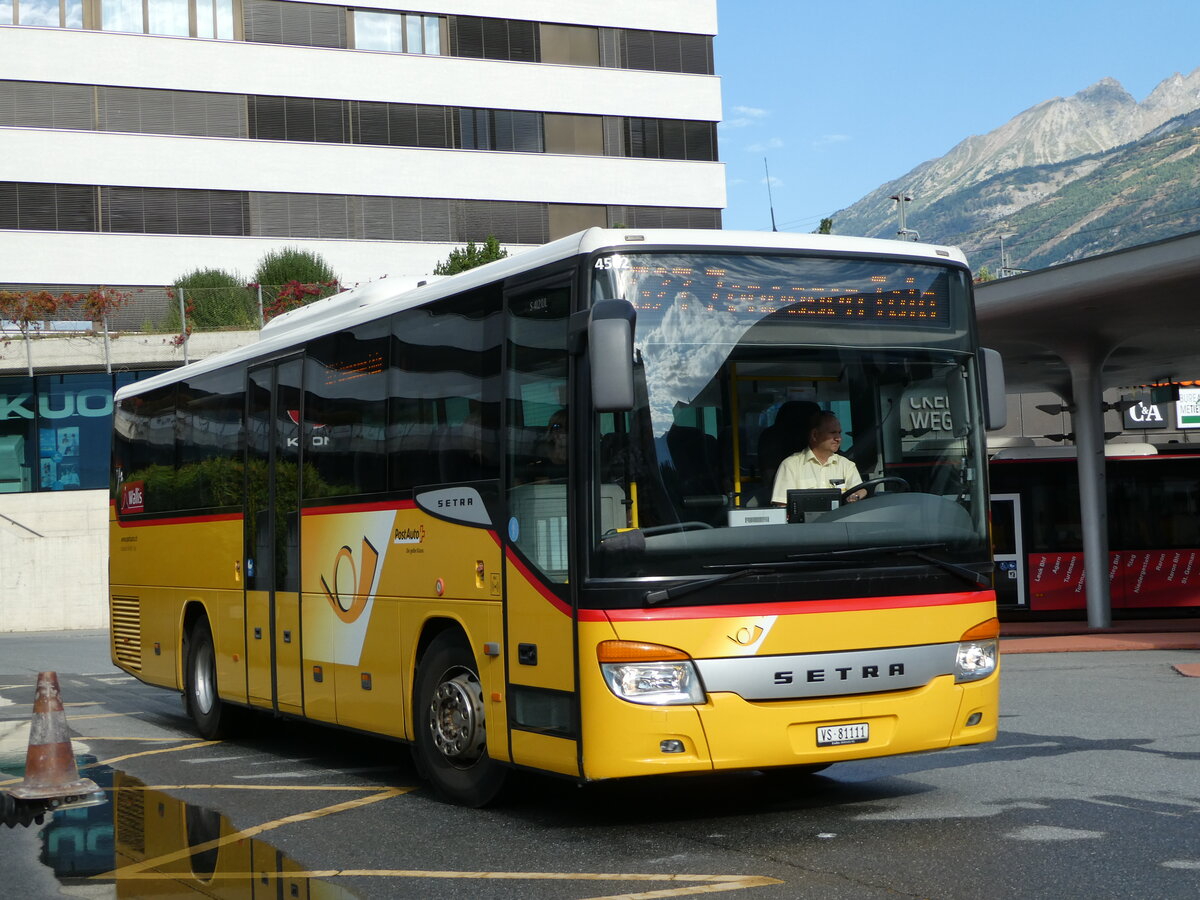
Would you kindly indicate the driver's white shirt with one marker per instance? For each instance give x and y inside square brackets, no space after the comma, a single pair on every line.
[804,472]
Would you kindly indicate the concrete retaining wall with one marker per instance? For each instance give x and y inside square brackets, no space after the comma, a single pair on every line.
[54,561]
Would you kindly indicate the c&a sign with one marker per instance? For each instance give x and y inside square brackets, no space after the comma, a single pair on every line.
[1145,415]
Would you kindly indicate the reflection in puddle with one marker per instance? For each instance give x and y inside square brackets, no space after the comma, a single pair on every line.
[149,844]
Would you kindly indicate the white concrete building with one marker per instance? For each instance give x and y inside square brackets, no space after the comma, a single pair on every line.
[379,134]
[140,141]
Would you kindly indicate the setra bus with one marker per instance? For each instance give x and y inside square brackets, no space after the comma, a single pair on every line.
[518,517]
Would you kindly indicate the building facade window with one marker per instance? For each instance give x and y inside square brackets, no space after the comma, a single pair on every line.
[323,25]
[505,39]
[138,210]
[42,13]
[173,18]
[55,430]
[397,32]
[28,104]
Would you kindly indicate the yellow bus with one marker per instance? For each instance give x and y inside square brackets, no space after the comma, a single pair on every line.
[522,517]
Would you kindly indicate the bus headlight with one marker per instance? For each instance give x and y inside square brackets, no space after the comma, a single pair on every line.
[649,673]
[978,652]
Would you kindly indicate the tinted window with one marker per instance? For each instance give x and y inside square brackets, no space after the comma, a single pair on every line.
[445,392]
[209,434]
[345,413]
[144,452]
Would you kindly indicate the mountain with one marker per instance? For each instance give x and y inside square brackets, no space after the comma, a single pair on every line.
[1070,177]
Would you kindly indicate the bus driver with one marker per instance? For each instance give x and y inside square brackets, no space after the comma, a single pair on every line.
[819,465]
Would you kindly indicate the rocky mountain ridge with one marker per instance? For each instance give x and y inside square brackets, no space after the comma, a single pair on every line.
[1081,156]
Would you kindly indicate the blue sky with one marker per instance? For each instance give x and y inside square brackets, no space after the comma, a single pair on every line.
[842,97]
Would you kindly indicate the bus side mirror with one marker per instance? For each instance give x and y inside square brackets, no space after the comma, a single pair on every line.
[995,403]
[610,354]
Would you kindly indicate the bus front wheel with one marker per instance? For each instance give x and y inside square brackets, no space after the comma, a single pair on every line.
[212,716]
[451,735]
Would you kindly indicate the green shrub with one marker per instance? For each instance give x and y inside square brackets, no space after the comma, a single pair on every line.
[215,299]
[291,277]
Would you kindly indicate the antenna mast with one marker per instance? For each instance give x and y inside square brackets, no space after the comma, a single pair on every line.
[770,199]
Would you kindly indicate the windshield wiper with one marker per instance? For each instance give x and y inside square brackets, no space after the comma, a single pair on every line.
[825,559]
[968,575]
[688,587]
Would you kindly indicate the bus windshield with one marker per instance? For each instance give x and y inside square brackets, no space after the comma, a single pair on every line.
[738,360]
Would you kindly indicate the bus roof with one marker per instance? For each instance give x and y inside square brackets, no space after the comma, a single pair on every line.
[379,298]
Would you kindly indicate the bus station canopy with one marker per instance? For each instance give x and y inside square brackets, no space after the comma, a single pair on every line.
[1127,318]
[1135,313]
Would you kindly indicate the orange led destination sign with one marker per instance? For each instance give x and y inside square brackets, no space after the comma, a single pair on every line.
[890,298]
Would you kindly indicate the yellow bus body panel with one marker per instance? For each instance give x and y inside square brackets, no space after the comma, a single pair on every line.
[157,570]
[374,581]
[622,739]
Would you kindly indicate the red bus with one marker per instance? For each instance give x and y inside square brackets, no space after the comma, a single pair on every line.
[1153,528]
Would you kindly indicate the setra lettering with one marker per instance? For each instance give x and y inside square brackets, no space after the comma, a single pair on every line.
[842,673]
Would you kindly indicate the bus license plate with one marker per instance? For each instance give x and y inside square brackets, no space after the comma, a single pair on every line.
[833,735]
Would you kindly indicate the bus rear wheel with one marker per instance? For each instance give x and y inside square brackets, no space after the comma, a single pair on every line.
[451,735]
[212,716]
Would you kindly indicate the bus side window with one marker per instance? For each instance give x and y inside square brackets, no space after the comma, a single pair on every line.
[539,427]
[444,389]
[146,448]
[345,413]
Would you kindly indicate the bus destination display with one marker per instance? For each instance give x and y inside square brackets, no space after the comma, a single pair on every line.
[883,294]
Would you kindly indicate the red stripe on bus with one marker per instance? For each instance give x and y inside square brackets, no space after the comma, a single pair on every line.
[850,604]
[359,507]
[180,520]
[546,593]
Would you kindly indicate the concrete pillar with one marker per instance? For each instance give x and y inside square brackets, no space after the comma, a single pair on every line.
[1087,420]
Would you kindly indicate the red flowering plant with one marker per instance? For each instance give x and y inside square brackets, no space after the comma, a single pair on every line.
[30,311]
[101,302]
[185,327]
[294,294]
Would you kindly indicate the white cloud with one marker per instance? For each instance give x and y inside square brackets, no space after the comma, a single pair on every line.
[745,115]
[828,140]
[763,146]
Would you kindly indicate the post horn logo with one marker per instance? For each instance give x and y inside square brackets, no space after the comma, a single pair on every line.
[746,635]
[354,580]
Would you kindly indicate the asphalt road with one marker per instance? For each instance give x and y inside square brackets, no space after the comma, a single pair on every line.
[1092,790]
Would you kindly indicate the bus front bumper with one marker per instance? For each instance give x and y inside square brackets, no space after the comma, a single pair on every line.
[728,733]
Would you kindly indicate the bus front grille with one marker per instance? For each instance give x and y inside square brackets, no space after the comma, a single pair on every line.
[126,614]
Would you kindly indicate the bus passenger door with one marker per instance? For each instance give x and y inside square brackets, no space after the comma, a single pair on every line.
[1008,549]
[539,615]
[272,550]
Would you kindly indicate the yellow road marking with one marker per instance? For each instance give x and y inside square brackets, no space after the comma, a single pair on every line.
[697,884]
[261,787]
[117,759]
[101,716]
[144,740]
[253,831]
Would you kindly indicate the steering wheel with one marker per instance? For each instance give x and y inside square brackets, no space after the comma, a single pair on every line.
[869,486]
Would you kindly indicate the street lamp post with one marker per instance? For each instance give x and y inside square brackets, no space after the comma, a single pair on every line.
[904,234]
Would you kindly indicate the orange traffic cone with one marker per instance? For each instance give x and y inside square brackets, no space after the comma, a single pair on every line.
[50,771]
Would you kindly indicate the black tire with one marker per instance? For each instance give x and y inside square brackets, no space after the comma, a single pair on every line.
[203,827]
[450,747]
[213,717]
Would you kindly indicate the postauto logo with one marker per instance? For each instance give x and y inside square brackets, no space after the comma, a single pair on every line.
[92,403]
